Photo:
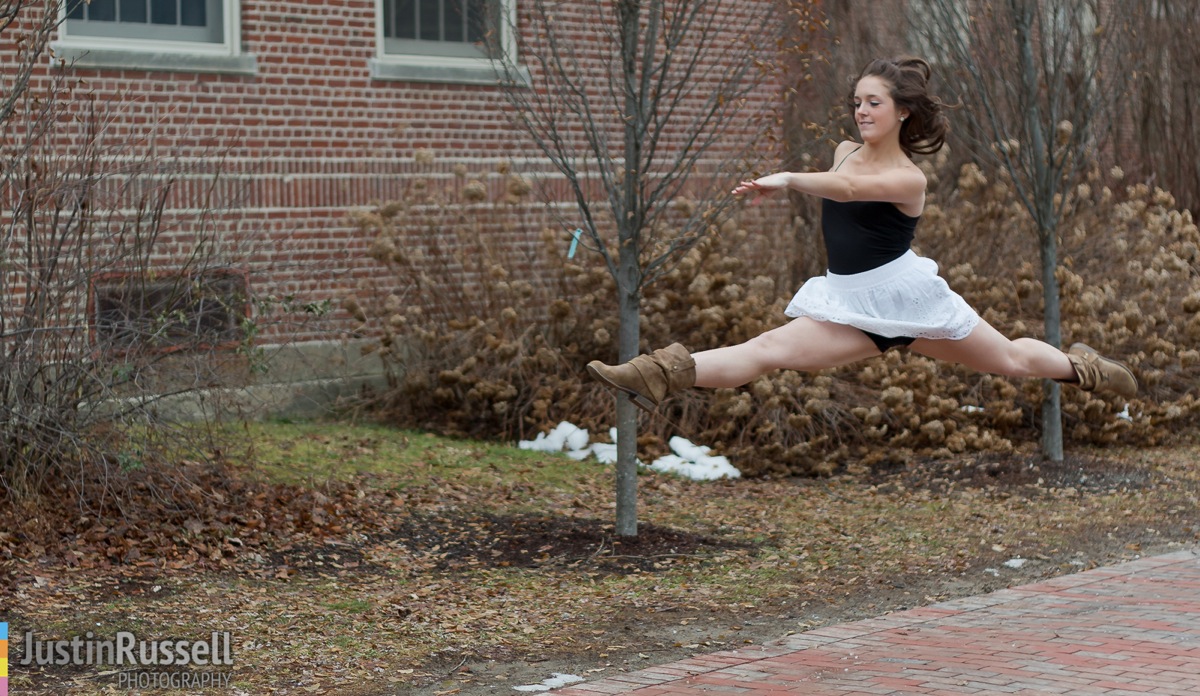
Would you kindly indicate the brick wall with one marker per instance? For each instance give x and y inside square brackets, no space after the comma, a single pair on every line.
[301,142]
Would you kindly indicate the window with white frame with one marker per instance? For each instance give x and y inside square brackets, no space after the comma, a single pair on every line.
[446,40]
[452,28]
[163,20]
[182,35]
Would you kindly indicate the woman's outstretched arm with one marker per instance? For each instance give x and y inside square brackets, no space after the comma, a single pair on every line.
[902,186]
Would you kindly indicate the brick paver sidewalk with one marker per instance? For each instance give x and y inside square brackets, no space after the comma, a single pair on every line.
[1127,629]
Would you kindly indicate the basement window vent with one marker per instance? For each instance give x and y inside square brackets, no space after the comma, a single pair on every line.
[173,312]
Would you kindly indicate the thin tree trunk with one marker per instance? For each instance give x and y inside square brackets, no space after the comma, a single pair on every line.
[629,278]
[628,338]
[1052,432]
[1043,187]
[626,484]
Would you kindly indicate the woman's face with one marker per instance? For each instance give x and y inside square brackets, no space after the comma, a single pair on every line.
[874,110]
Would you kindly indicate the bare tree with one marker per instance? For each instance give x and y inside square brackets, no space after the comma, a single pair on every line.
[1038,81]
[648,110]
[114,289]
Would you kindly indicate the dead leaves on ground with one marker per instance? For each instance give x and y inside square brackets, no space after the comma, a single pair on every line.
[414,580]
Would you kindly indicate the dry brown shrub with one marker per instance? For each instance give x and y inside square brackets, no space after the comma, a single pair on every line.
[504,357]
[483,330]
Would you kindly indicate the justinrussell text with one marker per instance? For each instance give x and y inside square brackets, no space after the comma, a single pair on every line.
[126,649]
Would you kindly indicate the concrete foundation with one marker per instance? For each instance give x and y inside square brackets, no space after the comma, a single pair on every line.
[300,380]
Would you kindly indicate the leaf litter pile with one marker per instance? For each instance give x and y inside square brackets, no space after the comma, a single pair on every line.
[470,568]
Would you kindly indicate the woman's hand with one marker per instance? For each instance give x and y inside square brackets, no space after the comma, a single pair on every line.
[764,185]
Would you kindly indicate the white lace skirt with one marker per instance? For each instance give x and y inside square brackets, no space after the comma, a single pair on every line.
[905,297]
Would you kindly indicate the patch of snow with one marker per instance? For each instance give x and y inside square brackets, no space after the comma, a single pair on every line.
[694,462]
[1015,562]
[603,452]
[553,682]
[563,435]
[690,460]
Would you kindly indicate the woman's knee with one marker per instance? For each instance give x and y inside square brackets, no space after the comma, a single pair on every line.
[766,350]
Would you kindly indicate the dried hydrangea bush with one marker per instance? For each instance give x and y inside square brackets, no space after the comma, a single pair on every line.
[486,334]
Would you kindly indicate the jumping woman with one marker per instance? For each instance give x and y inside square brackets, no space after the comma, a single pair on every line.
[877,294]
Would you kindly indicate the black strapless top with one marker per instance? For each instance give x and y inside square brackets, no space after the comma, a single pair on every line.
[862,235]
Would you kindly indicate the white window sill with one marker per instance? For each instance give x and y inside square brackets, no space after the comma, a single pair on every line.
[154,61]
[470,73]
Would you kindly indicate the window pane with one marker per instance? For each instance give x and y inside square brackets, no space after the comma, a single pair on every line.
[455,21]
[182,311]
[430,19]
[478,24]
[406,20]
[163,12]
[451,28]
[155,20]
[133,11]
[102,11]
[192,13]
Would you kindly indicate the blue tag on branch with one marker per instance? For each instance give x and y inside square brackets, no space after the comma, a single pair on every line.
[574,243]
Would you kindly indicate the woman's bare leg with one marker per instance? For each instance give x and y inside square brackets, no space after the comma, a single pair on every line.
[803,344]
[987,350]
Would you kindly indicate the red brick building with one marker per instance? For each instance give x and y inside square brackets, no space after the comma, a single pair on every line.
[308,109]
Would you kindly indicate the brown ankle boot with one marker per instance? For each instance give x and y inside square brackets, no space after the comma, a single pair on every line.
[1098,373]
[648,379]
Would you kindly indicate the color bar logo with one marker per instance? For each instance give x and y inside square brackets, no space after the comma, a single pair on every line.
[3,659]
